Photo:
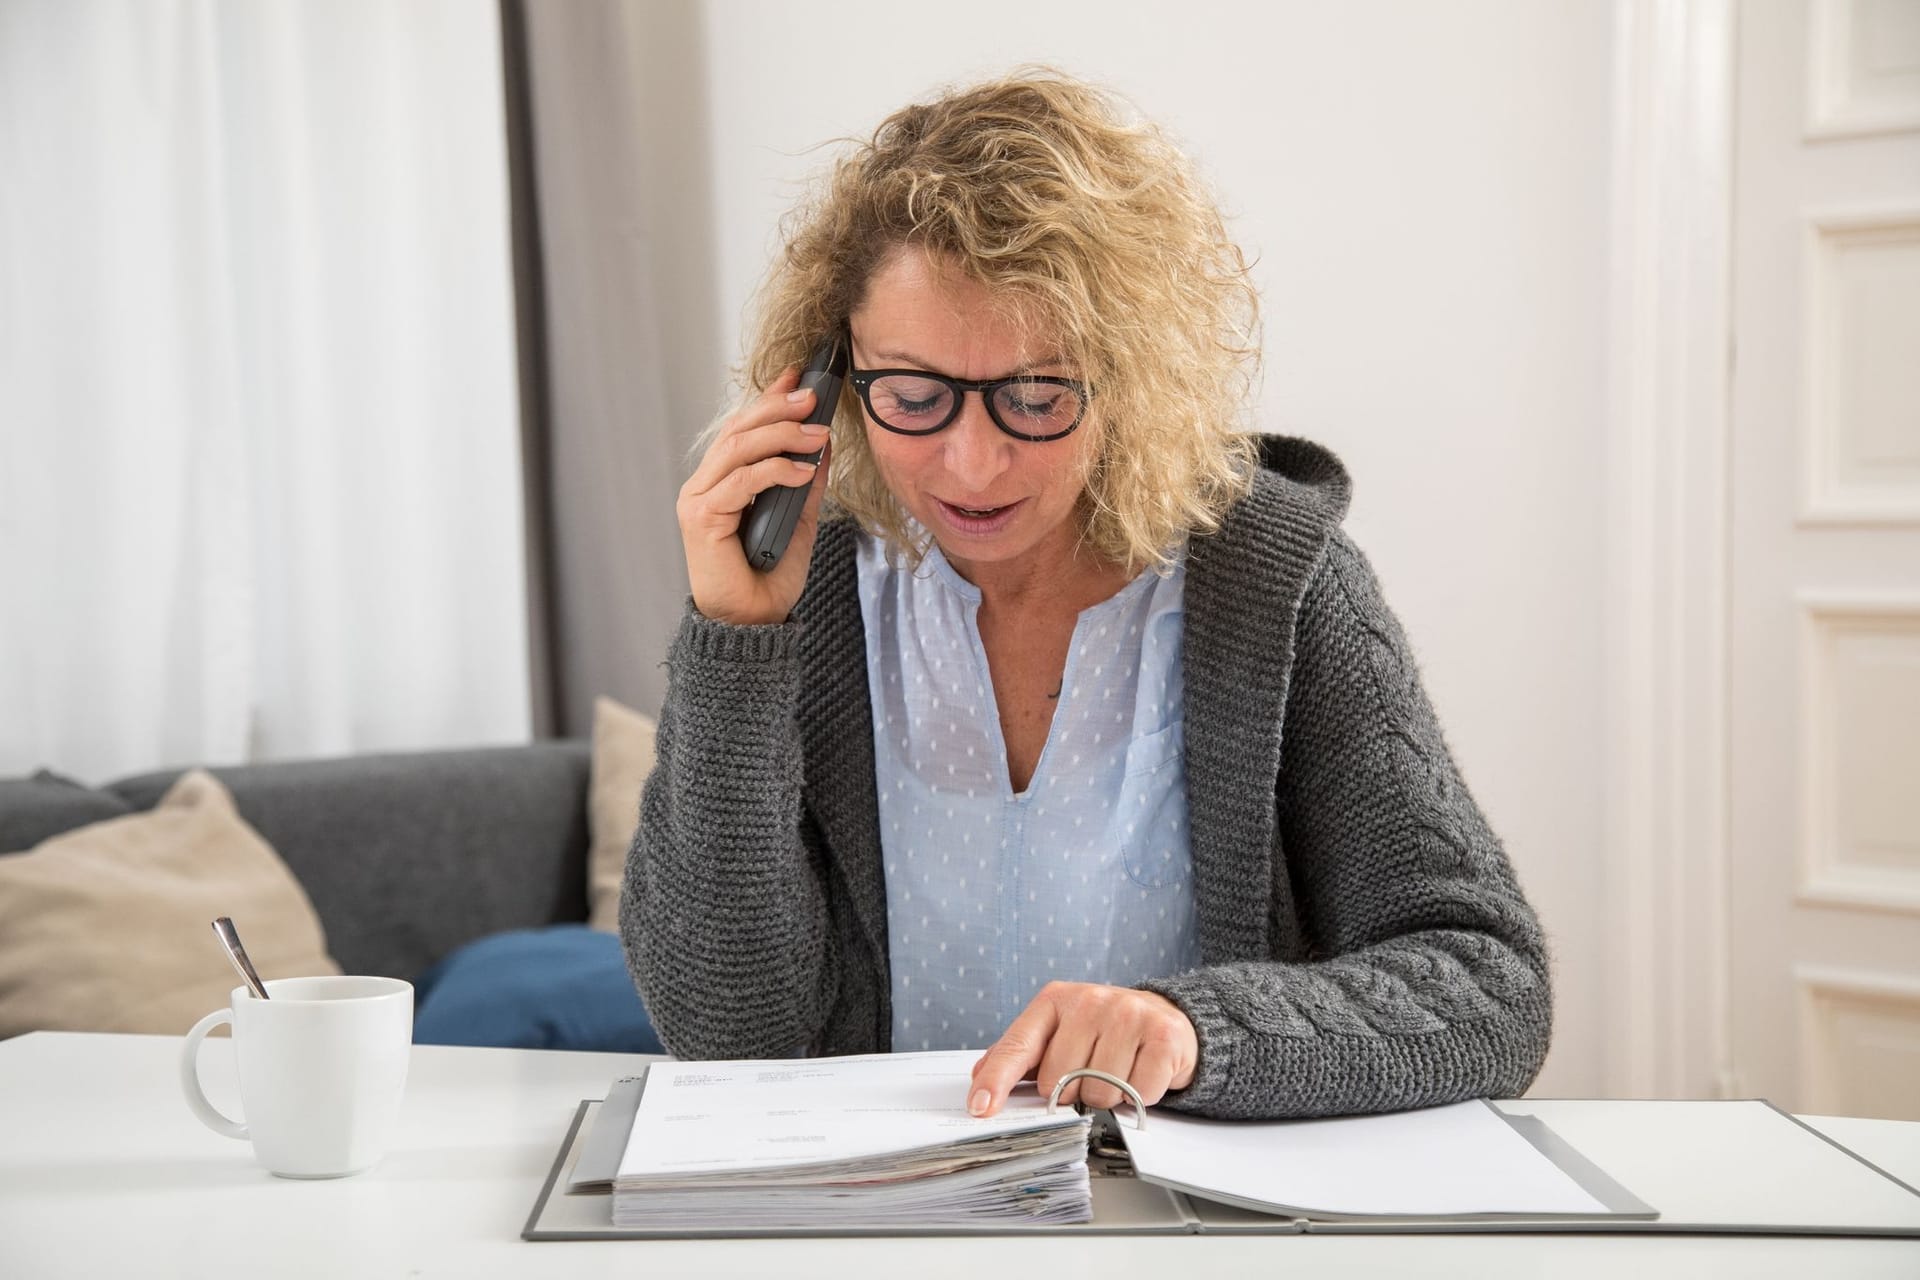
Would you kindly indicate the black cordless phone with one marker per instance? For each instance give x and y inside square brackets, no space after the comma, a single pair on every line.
[768,522]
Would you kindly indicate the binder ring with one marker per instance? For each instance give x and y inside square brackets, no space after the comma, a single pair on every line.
[1133,1094]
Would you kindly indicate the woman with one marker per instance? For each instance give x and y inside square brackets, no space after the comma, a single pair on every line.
[1074,727]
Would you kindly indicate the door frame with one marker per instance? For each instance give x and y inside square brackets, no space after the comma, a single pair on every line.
[1666,1009]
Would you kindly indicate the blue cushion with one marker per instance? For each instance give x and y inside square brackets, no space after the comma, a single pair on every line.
[562,987]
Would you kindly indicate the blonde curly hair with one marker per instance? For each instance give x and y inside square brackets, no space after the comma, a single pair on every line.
[1091,229]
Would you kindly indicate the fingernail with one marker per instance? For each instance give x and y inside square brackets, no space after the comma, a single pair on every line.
[981,1100]
[801,394]
[814,428]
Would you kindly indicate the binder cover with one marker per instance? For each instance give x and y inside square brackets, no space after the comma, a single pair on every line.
[1738,1168]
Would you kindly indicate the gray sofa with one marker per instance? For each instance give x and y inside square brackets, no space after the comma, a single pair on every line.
[405,856]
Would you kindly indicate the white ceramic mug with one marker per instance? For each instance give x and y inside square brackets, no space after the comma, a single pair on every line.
[323,1062]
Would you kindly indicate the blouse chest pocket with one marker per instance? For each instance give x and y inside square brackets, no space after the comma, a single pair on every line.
[1150,820]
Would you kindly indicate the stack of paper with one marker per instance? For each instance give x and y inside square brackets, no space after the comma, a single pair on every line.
[838,1142]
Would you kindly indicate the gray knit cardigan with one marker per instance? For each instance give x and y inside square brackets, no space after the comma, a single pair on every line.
[1365,946]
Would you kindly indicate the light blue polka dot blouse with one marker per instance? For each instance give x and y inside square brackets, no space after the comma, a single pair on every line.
[1087,875]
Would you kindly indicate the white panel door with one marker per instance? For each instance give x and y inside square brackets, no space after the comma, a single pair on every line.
[1824,634]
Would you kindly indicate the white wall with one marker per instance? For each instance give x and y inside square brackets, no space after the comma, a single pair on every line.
[1425,189]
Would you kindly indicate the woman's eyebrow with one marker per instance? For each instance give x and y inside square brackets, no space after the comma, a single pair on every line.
[1047,360]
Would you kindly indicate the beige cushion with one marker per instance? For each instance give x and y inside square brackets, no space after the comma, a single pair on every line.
[622,759]
[108,927]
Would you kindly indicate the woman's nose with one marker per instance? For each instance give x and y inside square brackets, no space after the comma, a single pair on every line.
[977,450]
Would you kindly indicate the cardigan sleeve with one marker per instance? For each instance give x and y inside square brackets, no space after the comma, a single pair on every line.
[723,912]
[1426,979]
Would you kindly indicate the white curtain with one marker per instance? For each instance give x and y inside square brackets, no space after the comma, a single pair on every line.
[259,472]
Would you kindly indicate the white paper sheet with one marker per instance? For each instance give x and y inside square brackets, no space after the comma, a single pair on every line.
[1462,1159]
[766,1114]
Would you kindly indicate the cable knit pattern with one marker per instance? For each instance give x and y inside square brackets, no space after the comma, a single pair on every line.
[1365,944]
[1417,973]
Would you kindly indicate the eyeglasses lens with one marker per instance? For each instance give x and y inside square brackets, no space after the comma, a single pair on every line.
[911,404]
[1036,408]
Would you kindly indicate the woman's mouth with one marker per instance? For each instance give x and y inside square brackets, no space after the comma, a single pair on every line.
[977,521]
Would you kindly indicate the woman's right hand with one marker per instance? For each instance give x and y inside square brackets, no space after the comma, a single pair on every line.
[746,458]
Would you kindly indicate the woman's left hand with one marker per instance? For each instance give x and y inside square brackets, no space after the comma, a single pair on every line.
[1138,1036]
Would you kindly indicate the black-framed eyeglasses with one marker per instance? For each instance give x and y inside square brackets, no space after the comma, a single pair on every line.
[1031,407]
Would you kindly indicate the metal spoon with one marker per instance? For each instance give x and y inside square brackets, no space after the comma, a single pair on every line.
[230,940]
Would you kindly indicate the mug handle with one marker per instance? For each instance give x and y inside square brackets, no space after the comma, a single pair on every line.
[209,1114]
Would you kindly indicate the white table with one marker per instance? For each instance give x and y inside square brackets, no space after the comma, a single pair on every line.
[103,1172]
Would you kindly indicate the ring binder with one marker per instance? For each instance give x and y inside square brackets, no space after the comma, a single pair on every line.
[1133,1094]
[1719,1168]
